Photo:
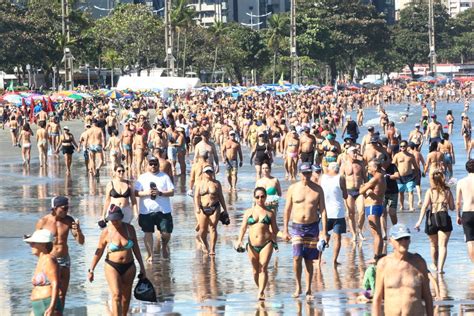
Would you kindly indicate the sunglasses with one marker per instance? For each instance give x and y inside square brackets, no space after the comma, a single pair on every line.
[258,197]
[403,146]
[153,164]
[121,171]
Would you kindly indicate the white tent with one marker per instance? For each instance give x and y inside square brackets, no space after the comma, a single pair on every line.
[135,82]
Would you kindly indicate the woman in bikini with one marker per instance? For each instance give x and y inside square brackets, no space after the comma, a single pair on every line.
[434,160]
[263,229]
[271,186]
[45,294]
[42,143]
[450,121]
[291,145]
[13,124]
[68,145]
[25,139]
[121,193]
[119,239]
[466,129]
[208,201]
[438,201]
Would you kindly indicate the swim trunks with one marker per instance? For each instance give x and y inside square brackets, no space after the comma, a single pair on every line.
[406,183]
[232,166]
[95,148]
[307,157]
[337,225]
[305,239]
[64,262]
[391,200]
[375,210]
[468,225]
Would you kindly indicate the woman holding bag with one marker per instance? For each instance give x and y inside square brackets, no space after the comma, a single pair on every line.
[120,241]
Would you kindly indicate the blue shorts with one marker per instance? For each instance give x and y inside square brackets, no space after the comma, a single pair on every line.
[406,183]
[337,225]
[375,210]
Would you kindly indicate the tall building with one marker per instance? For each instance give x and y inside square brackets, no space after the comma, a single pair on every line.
[210,11]
[457,6]
[254,13]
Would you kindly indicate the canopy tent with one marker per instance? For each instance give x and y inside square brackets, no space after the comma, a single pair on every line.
[149,83]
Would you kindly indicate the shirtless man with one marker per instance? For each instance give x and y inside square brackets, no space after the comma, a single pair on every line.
[139,148]
[394,137]
[375,151]
[54,129]
[434,130]
[206,146]
[59,223]
[374,191]
[290,152]
[42,143]
[408,170]
[353,172]
[420,162]
[447,149]
[307,146]
[416,137]
[465,196]
[232,156]
[127,143]
[366,139]
[402,280]
[111,122]
[82,145]
[42,116]
[95,143]
[305,206]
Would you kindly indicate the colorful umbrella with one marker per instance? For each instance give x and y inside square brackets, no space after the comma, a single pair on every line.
[327,88]
[75,97]
[114,94]
[12,98]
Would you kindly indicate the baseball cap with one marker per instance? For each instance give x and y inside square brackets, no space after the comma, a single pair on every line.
[115,213]
[40,236]
[232,132]
[208,168]
[399,231]
[317,168]
[66,128]
[417,125]
[152,159]
[370,128]
[59,201]
[433,116]
[306,167]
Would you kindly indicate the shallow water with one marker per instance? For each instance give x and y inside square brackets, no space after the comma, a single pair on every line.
[187,282]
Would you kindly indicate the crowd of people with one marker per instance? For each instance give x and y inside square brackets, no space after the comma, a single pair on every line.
[335,185]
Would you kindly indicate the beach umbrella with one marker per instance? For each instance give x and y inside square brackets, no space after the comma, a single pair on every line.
[114,94]
[12,98]
[75,97]
[327,88]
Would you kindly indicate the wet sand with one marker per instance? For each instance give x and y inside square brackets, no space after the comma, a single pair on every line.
[188,282]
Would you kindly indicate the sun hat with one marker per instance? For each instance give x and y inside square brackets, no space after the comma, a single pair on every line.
[40,236]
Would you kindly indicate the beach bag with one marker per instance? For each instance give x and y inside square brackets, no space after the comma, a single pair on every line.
[144,291]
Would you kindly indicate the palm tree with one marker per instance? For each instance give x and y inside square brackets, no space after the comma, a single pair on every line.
[217,29]
[111,57]
[182,17]
[278,25]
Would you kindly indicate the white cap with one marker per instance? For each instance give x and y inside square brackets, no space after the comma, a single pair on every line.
[40,236]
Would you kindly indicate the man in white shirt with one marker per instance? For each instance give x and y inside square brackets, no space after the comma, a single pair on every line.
[154,188]
[335,193]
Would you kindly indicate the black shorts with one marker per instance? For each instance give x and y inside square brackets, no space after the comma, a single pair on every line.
[163,222]
[67,150]
[468,225]
[418,178]
[439,221]
[307,157]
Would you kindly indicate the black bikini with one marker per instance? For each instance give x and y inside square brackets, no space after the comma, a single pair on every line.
[115,194]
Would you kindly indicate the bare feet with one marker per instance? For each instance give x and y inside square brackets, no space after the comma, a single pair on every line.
[309,296]
[261,296]
[335,263]
[361,236]
[296,294]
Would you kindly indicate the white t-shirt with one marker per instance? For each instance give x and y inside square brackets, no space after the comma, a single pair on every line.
[160,203]
[333,196]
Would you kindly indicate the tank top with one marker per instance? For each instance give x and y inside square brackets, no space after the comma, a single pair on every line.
[333,196]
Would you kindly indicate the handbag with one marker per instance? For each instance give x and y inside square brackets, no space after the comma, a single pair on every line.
[144,291]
